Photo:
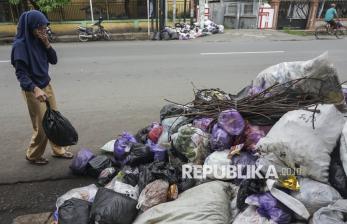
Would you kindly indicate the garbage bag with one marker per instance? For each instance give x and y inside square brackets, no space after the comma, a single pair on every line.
[251,216]
[171,110]
[244,159]
[300,146]
[170,126]
[337,175]
[160,153]
[58,129]
[74,211]
[98,164]
[153,194]
[110,207]
[139,154]
[315,195]
[192,143]
[343,147]
[86,193]
[129,175]
[122,145]
[270,208]
[155,133]
[157,170]
[220,139]
[332,214]
[252,136]
[324,80]
[109,146]
[106,176]
[123,188]
[220,160]
[80,161]
[203,123]
[247,188]
[231,121]
[270,159]
[207,203]
[142,135]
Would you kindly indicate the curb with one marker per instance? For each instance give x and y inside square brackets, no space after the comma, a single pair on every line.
[74,38]
[41,218]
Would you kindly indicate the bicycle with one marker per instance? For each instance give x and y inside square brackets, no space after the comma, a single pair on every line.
[325,30]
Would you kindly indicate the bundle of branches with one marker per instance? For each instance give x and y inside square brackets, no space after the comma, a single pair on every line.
[266,107]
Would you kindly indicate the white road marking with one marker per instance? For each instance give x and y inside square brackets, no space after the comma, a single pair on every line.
[8,61]
[244,52]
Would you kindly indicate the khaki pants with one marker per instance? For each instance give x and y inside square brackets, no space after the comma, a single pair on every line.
[37,110]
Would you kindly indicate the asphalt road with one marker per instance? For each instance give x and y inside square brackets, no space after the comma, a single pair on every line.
[105,88]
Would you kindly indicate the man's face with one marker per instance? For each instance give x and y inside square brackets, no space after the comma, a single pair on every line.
[39,31]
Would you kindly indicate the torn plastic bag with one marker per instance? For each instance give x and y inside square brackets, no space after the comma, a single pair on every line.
[153,194]
[155,133]
[270,208]
[170,126]
[294,141]
[203,123]
[315,195]
[231,121]
[106,176]
[218,160]
[220,139]
[74,211]
[337,175]
[157,170]
[110,207]
[332,214]
[252,136]
[109,146]
[323,81]
[251,216]
[207,203]
[343,147]
[247,188]
[123,188]
[98,164]
[80,162]
[192,143]
[122,145]
[58,129]
[160,153]
[85,193]
[139,154]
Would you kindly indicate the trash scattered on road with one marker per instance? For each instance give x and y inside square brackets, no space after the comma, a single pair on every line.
[268,154]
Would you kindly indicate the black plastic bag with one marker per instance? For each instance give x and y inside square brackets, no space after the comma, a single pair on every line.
[247,188]
[171,110]
[142,135]
[139,154]
[110,207]
[337,175]
[157,170]
[106,176]
[74,211]
[98,164]
[58,129]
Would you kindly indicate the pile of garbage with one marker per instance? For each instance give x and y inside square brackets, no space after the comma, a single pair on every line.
[184,31]
[298,152]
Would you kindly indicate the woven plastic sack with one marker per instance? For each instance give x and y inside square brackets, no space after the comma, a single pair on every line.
[332,214]
[153,194]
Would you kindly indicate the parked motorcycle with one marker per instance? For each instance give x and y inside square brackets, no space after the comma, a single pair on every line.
[96,32]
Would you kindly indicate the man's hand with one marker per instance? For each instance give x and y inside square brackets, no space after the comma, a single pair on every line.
[40,95]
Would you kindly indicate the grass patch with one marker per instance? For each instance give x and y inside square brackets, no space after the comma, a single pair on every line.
[295,32]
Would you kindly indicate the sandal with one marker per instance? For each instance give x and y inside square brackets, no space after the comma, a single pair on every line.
[40,161]
[66,155]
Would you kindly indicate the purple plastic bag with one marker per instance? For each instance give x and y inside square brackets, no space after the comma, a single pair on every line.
[55,215]
[80,162]
[160,153]
[232,122]
[269,207]
[202,123]
[220,139]
[244,159]
[252,135]
[344,90]
[123,145]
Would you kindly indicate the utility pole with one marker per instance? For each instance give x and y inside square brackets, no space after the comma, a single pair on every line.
[202,13]
[91,10]
[174,11]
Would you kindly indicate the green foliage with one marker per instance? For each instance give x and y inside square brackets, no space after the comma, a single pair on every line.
[44,5]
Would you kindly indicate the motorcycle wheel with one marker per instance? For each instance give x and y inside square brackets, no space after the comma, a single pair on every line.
[82,36]
[106,35]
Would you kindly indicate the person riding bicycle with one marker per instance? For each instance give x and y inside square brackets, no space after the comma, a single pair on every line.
[330,16]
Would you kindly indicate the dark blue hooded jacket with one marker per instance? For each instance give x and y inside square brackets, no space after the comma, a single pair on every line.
[29,55]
